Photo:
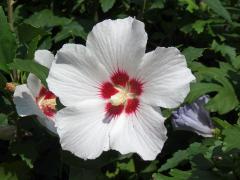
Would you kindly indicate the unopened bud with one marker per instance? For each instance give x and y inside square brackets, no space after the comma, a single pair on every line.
[10,86]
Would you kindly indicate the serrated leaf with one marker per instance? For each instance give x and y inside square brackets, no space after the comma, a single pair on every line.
[226,99]
[8,44]
[46,18]
[200,89]
[218,8]
[192,53]
[231,139]
[179,156]
[225,50]
[107,4]
[223,102]
[73,29]
[31,66]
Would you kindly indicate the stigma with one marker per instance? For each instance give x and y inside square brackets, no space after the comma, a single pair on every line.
[46,102]
[122,94]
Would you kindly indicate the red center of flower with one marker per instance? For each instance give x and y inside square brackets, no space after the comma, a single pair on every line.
[46,101]
[122,93]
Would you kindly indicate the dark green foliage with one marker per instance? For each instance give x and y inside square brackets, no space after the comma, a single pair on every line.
[207,33]
[8,43]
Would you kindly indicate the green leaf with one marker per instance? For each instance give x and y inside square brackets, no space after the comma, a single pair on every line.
[73,29]
[30,36]
[206,175]
[225,50]
[7,175]
[128,166]
[3,119]
[3,81]
[236,62]
[192,53]
[226,99]
[46,18]
[8,44]
[175,173]
[231,139]
[85,174]
[218,8]
[31,66]
[221,123]
[32,47]
[191,5]
[179,156]
[199,25]
[14,170]
[27,160]
[180,174]
[158,4]
[199,89]
[223,102]
[107,4]
[27,32]
[152,167]
[172,162]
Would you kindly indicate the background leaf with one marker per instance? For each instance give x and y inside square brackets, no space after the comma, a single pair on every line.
[107,4]
[231,139]
[31,66]
[218,8]
[8,43]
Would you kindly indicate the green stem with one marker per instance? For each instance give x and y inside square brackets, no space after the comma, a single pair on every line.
[10,3]
[10,13]
[144,7]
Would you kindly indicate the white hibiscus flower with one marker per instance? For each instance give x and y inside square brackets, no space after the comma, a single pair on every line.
[33,98]
[110,89]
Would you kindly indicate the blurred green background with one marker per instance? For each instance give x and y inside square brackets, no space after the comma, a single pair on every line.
[207,33]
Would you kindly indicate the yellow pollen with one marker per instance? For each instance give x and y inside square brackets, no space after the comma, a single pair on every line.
[121,97]
[47,102]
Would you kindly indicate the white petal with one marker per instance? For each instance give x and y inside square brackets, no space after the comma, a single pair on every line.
[25,102]
[44,57]
[118,44]
[166,77]
[84,130]
[26,106]
[74,77]
[48,123]
[143,133]
[34,84]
